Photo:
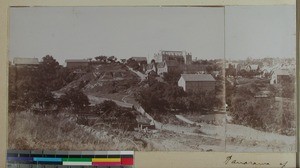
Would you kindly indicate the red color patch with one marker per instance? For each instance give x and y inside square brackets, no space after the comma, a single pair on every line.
[127,161]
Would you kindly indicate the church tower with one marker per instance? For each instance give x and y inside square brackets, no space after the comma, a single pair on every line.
[188,59]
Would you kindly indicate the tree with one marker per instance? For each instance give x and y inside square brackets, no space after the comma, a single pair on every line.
[74,98]
[101,58]
[34,86]
[44,98]
[107,105]
[133,64]
[209,69]
[49,65]
[152,61]
[231,71]
[172,77]
[173,96]
[47,73]
[112,59]
[288,88]
[152,99]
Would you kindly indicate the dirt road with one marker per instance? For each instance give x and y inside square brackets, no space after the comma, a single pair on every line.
[209,137]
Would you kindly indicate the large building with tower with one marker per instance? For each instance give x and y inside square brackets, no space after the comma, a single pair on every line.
[182,57]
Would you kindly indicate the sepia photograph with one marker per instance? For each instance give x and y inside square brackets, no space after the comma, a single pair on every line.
[204,79]
[260,70]
[117,78]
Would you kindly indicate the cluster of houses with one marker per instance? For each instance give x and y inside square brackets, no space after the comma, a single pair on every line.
[194,77]
[172,61]
[277,71]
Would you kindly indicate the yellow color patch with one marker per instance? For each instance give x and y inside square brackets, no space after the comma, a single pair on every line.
[106,160]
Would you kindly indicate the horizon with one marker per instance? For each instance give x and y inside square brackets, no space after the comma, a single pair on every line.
[233,32]
[148,60]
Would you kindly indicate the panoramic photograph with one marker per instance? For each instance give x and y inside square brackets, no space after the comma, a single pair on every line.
[117,78]
[204,79]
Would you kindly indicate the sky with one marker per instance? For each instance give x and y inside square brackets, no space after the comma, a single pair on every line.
[206,32]
[86,32]
[260,31]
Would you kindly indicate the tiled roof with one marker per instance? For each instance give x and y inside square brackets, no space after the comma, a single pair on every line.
[139,58]
[198,77]
[26,61]
[77,60]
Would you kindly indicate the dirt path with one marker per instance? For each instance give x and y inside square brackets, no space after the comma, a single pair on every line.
[194,138]
[180,117]
[124,98]
[244,139]
[96,100]
[239,131]
[141,75]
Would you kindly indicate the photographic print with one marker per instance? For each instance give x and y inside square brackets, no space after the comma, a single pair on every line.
[260,78]
[117,78]
[205,79]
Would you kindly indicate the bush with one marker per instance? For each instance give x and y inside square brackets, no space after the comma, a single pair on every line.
[75,99]
[263,113]
[107,105]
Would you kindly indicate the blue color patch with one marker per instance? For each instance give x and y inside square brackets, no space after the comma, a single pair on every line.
[19,159]
[44,159]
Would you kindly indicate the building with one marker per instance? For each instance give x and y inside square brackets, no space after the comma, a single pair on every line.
[26,62]
[182,57]
[279,76]
[231,65]
[76,63]
[168,66]
[253,68]
[197,82]
[266,71]
[142,61]
[151,68]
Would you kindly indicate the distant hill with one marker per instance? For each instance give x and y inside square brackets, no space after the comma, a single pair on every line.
[106,78]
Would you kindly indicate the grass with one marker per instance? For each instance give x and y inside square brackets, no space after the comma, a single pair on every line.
[28,131]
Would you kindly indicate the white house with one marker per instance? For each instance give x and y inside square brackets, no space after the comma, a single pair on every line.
[197,82]
[279,76]
[26,62]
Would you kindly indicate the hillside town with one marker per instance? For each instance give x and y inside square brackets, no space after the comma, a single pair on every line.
[158,104]
[260,93]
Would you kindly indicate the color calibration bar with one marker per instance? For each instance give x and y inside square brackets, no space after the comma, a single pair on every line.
[72,158]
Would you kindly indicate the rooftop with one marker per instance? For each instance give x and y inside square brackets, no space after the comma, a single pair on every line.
[139,58]
[26,61]
[172,52]
[198,77]
[77,60]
